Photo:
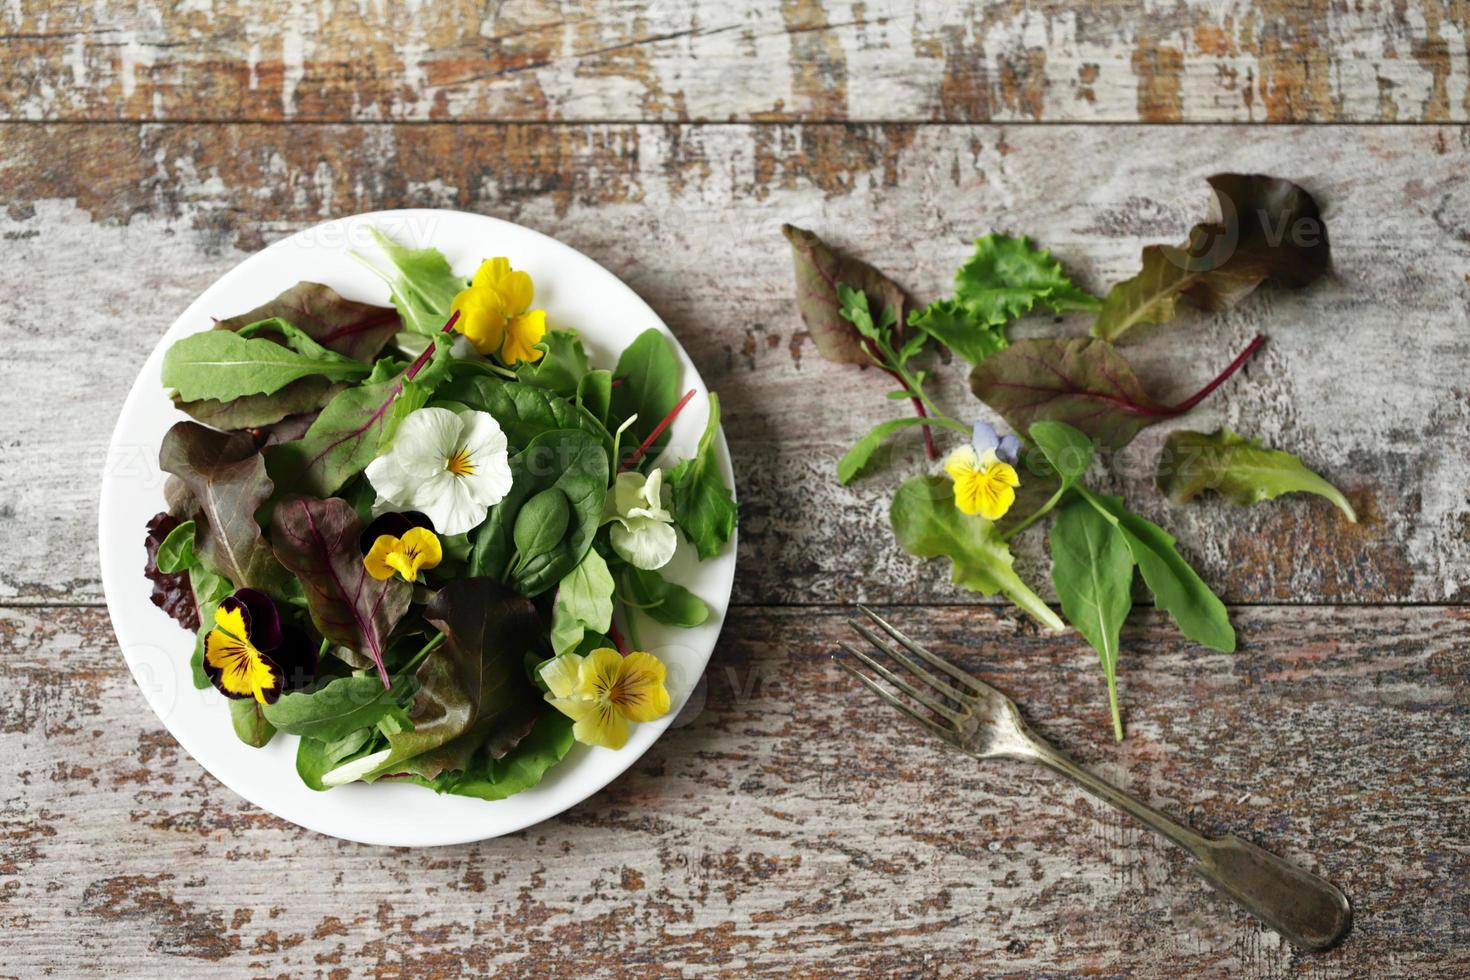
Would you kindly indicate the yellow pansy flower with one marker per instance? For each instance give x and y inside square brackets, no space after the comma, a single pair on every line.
[984,478]
[604,691]
[495,313]
[418,550]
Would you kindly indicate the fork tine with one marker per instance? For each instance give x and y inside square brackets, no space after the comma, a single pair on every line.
[933,727]
[967,700]
[933,659]
[926,700]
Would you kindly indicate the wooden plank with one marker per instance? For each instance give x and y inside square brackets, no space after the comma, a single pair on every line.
[106,232]
[630,60]
[788,825]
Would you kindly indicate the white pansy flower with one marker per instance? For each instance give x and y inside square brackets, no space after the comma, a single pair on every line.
[451,466]
[644,530]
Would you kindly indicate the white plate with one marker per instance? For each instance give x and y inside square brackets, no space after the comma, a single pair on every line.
[576,292]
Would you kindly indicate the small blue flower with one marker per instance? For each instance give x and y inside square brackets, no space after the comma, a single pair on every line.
[985,438]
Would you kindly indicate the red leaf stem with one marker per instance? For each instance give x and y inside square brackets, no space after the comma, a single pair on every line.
[1220,379]
[658,430]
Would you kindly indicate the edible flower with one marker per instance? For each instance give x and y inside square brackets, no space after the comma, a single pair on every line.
[643,529]
[495,314]
[605,690]
[249,654]
[984,473]
[403,543]
[451,466]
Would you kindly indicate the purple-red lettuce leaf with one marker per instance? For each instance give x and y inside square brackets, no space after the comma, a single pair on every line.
[819,268]
[171,592]
[226,476]
[304,395]
[358,330]
[318,541]
[1083,382]
[1266,228]
[473,693]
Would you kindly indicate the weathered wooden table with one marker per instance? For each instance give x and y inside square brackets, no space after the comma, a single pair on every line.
[787,825]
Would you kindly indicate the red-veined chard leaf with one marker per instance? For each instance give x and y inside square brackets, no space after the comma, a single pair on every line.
[819,269]
[1266,228]
[473,692]
[358,330]
[318,541]
[228,481]
[171,591]
[304,395]
[1083,382]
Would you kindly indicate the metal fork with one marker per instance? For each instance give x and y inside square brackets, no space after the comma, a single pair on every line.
[979,720]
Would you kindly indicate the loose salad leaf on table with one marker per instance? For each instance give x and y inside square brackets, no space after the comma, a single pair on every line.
[413,553]
[1063,398]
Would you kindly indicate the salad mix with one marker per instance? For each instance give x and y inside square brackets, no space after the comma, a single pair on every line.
[407,534]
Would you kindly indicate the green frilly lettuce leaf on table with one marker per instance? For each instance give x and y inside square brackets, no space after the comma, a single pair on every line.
[1239,469]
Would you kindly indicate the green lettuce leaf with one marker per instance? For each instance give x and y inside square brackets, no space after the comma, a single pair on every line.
[562,366]
[649,389]
[584,601]
[336,709]
[422,284]
[856,459]
[488,778]
[929,525]
[220,365]
[1241,470]
[249,723]
[704,509]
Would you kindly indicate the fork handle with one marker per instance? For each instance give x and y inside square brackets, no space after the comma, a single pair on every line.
[1308,910]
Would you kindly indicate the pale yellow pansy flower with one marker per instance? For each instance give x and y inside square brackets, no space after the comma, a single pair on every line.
[984,476]
[604,691]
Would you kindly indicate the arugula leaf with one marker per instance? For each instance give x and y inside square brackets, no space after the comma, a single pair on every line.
[249,724]
[929,525]
[227,478]
[856,459]
[218,364]
[661,600]
[1177,588]
[819,271]
[171,591]
[315,758]
[548,742]
[1092,570]
[1268,228]
[474,691]
[562,365]
[574,463]
[649,388]
[422,284]
[358,330]
[318,541]
[1084,382]
[584,601]
[176,552]
[1241,470]
[703,506]
[338,708]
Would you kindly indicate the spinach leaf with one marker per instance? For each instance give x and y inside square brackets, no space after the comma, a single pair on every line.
[661,600]
[176,553]
[249,724]
[358,330]
[594,394]
[524,411]
[1092,569]
[562,366]
[1268,228]
[548,742]
[1241,470]
[584,601]
[820,269]
[856,459]
[473,693]
[540,525]
[421,283]
[228,481]
[218,364]
[318,541]
[649,388]
[1068,450]
[574,463]
[338,708]
[929,525]
[1197,611]
[703,506]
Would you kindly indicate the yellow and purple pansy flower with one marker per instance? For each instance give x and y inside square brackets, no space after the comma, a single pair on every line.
[403,544]
[251,654]
[984,473]
[495,313]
